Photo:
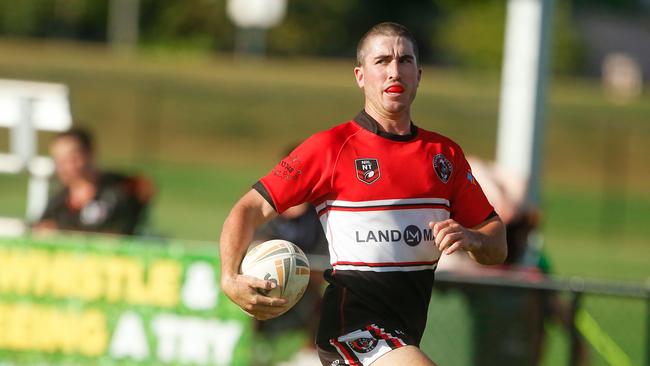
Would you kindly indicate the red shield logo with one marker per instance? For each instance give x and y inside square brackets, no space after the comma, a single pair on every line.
[367,170]
[443,168]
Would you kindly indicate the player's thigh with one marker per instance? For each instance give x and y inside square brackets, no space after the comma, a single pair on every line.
[407,355]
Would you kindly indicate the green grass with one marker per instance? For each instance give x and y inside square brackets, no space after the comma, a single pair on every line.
[206,127]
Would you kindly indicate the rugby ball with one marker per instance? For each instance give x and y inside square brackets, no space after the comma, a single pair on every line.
[282,262]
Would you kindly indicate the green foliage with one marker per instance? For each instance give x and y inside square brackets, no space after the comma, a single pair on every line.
[24,19]
[461,32]
[473,35]
[184,24]
[81,19]
[333,27]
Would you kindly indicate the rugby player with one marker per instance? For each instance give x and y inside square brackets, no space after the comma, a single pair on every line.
[392,198]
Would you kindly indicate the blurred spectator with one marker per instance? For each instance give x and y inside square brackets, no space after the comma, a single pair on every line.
[91,200]
[508,323]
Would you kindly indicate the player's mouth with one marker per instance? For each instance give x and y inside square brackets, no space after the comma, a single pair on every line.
[395,89]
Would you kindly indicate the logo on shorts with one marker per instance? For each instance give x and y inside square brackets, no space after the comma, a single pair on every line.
[443,167]
[362,345]
[367,170]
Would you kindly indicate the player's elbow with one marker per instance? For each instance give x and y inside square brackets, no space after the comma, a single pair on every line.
[502,253]
[495,251]
[500,248]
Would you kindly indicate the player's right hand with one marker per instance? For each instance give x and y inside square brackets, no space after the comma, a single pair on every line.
[246,292]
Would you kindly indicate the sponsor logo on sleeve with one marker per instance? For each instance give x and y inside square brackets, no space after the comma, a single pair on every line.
[289,168]
[367,170]
[443,167]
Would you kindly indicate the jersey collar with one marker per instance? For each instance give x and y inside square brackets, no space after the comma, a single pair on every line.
[364,120]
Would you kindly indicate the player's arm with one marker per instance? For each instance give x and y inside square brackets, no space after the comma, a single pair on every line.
[485,243]
[249,212]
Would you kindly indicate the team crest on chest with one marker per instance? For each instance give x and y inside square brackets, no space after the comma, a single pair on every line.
[443,167]
[367,170]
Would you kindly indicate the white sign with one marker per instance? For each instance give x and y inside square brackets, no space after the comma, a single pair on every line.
[50,108]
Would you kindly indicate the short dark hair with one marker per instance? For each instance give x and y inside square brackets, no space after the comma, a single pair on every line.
[387,29]
[82,136]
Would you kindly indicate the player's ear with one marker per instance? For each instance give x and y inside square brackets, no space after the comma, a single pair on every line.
[358,74]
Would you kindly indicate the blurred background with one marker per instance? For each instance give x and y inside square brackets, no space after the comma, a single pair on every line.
[203,99]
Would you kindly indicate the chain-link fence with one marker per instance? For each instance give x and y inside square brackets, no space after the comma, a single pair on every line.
[524,319]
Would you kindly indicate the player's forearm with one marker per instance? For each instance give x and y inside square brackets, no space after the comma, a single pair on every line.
[238,231]
[491,248]
[236,234]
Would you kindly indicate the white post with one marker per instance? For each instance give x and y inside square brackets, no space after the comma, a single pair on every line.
[523,90]
[23,133]
[25,108]
[41,169]
[123,24]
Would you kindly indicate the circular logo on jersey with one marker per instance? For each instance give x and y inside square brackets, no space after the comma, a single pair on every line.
[412,235]
[443,167]
[367,170]
[362,345]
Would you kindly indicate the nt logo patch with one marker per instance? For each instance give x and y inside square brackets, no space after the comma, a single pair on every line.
[367,170]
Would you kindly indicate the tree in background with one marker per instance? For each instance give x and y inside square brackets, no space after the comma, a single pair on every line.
[472,35]
[333,27]
[468,33]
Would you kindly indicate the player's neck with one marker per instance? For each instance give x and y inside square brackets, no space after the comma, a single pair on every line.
[396,124]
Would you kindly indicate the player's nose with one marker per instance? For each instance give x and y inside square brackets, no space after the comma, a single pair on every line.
[393,70]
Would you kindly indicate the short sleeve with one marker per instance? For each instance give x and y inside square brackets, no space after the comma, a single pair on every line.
[302,176]
[469,206]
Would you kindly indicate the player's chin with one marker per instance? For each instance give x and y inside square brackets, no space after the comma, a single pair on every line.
[395,106]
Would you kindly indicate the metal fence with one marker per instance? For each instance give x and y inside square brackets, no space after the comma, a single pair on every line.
[524,319]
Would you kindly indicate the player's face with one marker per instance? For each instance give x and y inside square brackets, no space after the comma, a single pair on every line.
[389,75]
[70,160]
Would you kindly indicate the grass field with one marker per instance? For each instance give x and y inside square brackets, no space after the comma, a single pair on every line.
[206,127]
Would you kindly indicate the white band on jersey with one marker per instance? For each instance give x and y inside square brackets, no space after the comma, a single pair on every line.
[383,235]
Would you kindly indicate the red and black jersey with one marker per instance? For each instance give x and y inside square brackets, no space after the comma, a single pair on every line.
[375,194]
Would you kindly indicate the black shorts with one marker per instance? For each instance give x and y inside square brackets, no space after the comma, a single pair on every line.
[361,347]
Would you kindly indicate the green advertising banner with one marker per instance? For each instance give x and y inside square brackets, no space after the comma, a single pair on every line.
[83,300]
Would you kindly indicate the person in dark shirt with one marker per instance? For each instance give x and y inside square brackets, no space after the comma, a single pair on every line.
[91,200]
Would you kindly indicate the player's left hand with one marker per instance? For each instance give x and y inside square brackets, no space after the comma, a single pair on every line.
[450,236]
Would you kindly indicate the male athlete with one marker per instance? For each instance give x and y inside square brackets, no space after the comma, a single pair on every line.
[392,198]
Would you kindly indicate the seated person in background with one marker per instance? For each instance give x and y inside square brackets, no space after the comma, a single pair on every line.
[91,200]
